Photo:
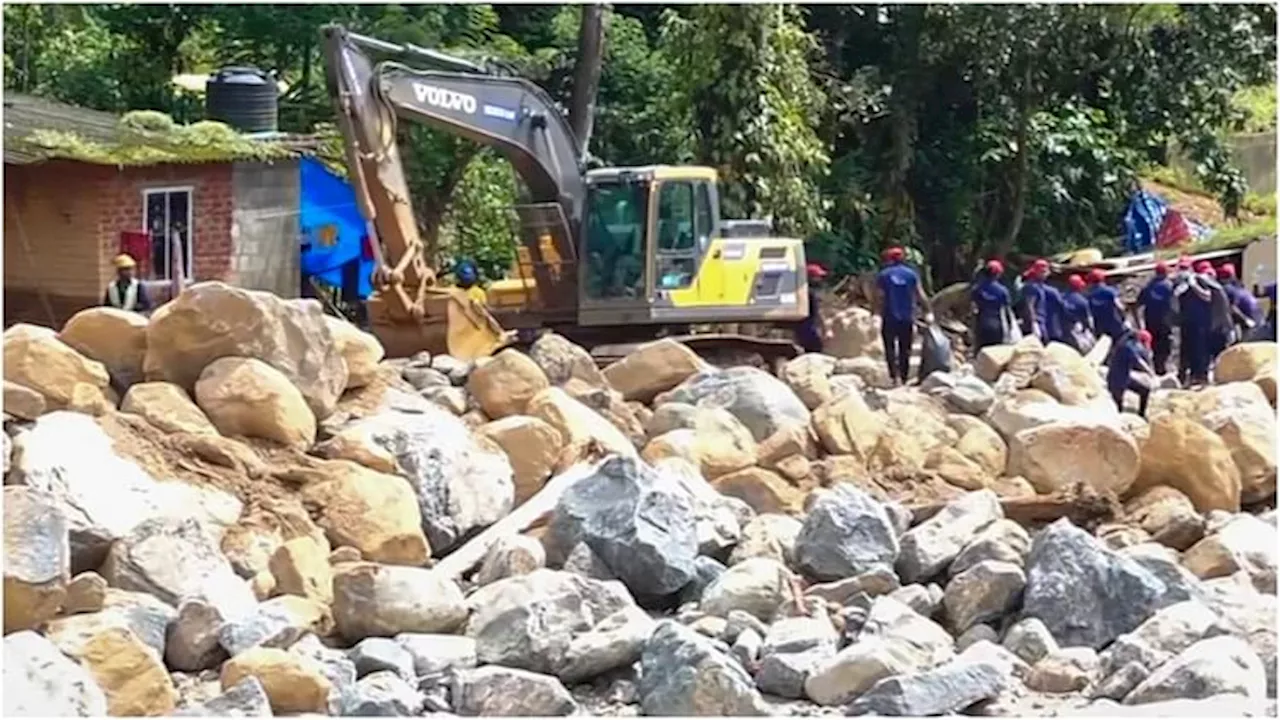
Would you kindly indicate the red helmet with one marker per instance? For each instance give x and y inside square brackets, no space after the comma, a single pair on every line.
[1162,268]
[1144,337]
[894,254]
[1226,271]
[815,270]
[1096,275]
[1076,282]
[1204,266]
[995,267]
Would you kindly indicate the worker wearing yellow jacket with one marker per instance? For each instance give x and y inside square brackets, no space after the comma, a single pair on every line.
[469,280]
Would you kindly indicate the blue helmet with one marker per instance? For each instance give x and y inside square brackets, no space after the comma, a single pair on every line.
[466,272]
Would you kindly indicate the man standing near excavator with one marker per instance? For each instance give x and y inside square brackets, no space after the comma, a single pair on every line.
[898,289]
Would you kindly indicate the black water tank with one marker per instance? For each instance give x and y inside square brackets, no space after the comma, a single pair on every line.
[244,98]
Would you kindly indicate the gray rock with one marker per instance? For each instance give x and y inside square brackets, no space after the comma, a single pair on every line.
[508,692]
[373,655]
[928,548]
[917,597]
[1003,540]
[857,667]
[456,370]
[1120,683]
[757,586]
[982,593]
[977,633]
[989,652]
[762,402]
[1209,667]
[616,642]
[371,600]
[37,557]
[422,378]
[39,681]
[334,665]
[432,654]
[176,559]
[273,624]
[531,621]
[747,647]
[462,485]
[246,698]
[1252,616]
[1085,593]
[1030,640]
[383,694]
[801,634]
[455,400]
[584,561]
[875,582]
[925,639]
[940,691]
[192,642]
[706,571]
[1180,585]
[783,674]
[638,522]
[437,691]
[683,673]
[971,395]
[845,533]
[739,621]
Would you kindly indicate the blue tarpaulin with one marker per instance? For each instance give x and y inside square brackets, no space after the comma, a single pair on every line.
[1142,221]
[332,227]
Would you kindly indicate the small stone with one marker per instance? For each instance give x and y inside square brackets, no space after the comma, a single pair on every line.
[977,633]
[86,593]
[757,586]
[746,648]
[1030,640]
[192,643]
[940,691]
[301,567]
[278,622]
[783,674]
[1121,682]
[373,655]
[293,684]
[432,654]
[383,694]
[983,593]
[505,383]
[740,621]
[493,690]
[1065,670]
[513,555]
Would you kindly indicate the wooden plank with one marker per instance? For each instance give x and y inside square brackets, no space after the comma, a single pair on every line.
[1083,505]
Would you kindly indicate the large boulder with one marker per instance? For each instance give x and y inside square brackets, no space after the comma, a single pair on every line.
[1210,667]
[653,368]
[505,383]
[1085,593]
[116,338]
[361,351]
[763,490]
[683,673]
[212,320]
[373,512]
[1245,544]
[35,358]
[292,682]
[928,548]
[463,482]
[37,558]
[40,681]
[848,426]
[102,495]
[1241,415]
[244,396]
[1185,455]
[1253,361]
[1055,456]
[168,407]
[1067,376]
[808,376]
[580,426]
[636,520]
[129,671]
[762,402]
[980,443]
[845,533]
[991,361]
[533,447]
[371,600]
[855,333]
[22,402]
[711,438]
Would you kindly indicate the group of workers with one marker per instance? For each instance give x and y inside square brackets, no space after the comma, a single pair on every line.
[1209,308]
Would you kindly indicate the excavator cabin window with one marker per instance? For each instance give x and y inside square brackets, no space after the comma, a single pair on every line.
[683,225]
[616,213]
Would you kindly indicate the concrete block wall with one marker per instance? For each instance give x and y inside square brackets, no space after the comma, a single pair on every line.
[264,226]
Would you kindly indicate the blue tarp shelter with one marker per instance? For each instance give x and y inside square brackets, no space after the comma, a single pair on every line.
[1142,221]
[332,228]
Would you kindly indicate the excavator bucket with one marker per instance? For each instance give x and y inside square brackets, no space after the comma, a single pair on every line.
[472,332]
[452,323]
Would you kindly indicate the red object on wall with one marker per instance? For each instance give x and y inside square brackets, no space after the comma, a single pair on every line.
[1173,231]
[137,244]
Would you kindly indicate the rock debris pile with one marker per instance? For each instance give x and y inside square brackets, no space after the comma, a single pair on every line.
[239,507]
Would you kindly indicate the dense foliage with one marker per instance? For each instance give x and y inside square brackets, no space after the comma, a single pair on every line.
[963,130]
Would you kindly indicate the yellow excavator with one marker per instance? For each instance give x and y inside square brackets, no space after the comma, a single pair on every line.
[607,257]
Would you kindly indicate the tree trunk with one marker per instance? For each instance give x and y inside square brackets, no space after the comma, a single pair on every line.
[1021,169]
[586,74]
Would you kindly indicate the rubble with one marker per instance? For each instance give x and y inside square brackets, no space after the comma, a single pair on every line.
[239,506]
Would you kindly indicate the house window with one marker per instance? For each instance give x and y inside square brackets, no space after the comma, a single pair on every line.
[167,212]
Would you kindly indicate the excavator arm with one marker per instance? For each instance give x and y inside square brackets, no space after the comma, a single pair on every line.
[410,311]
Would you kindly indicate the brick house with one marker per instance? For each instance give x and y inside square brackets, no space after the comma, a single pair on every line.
[65,218]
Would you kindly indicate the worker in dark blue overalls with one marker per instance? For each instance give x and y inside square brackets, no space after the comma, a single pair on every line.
[1036,301]
[898,289]
[1155,315]
[1244,306]
[1105,304]
[1130,353]
[1195,305]
[992,306]
[812,330]
[1077,318]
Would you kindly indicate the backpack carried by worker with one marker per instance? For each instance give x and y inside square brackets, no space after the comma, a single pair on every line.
[935,351]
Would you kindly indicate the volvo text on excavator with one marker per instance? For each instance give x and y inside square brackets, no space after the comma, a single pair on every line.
[607,257]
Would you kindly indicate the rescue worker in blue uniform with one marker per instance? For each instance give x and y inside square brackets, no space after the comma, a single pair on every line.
[1105,305]
[992,306]
[1244,306]
[1195,306]
[1076,317]
[1130,353]
[1221,321]
[1181,281]
[898,290]
[1035,313]
[812,330]
[1155,315]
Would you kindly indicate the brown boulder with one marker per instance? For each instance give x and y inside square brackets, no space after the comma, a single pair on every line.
[532,446]
[301,567]
[37,557]
[1252,361]
[116,338]
[168,407]
[1241,415]
[764,491]
[1167,515]
[653,368]
[1067,376]
[506,383]
[1057,455]
[244,396]
[212,320]
[579,425]
[846,426]
[35,358]
[129,672]
[980,443]
[361,351]
[23,402]
[952,466]
[293,683]
[991,361]
[809,377]
[610,405]
[718,443]
[372,512]
[1189,457]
